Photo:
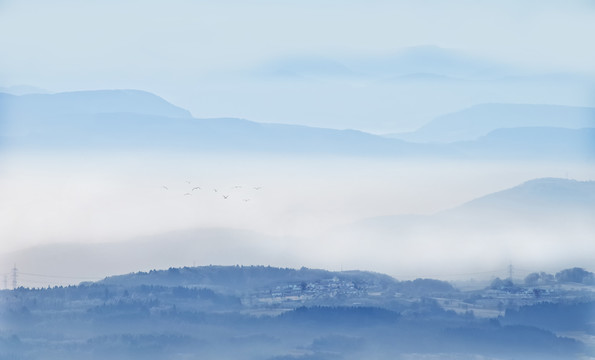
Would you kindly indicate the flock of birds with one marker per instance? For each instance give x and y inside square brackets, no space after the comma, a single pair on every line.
[215,190]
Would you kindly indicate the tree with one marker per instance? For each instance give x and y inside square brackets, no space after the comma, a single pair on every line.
[575,275]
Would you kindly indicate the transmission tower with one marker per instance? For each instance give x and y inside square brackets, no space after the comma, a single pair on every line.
[14,276]
[510,272]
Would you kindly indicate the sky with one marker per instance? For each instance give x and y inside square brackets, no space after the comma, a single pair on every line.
[324,63]
[202,55]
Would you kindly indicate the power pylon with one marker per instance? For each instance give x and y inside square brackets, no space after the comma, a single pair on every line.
[510,272]
[14,276]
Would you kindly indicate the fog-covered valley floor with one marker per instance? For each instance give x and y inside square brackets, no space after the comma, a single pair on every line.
[327,212]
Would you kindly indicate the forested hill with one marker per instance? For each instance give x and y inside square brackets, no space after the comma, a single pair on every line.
[261,312]
[238,279]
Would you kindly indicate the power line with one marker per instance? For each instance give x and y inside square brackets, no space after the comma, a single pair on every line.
[34,282]
[61,276]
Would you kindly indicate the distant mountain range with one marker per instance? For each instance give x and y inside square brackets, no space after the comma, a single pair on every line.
[432,62]
[480,120]
[382,93]
[131,119]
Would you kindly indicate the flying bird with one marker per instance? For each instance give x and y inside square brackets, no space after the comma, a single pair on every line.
[196,188]
[215,190]
[225,196]
[165,187]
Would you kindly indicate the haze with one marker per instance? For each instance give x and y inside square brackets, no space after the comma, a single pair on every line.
[247,99]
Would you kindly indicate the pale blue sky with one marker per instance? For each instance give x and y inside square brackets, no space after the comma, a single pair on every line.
[196,37]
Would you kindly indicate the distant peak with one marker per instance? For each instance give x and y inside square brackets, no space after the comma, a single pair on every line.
[541,193]
[105,101]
